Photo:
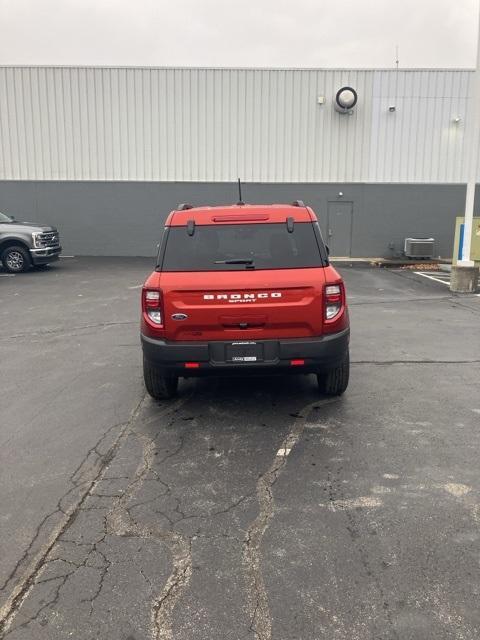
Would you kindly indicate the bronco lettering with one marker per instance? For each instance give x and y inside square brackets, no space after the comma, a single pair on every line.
[241,296]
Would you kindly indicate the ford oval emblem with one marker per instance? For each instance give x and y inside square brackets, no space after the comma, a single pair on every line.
[179,316]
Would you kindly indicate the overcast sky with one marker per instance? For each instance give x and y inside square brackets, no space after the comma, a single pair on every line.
[277,33]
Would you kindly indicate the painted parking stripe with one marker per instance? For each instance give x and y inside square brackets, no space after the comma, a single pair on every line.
[425,275]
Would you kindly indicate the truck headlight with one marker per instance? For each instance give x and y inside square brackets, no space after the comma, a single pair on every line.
[37,240]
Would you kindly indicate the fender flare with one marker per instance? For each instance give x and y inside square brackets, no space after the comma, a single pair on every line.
[13,240]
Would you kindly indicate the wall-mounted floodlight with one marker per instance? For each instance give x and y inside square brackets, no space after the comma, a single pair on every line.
[456,120]
[345,100]
[392,108]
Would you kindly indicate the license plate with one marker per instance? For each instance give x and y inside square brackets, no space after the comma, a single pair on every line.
[244,352]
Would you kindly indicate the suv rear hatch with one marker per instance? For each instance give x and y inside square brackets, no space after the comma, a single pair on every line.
[242,281]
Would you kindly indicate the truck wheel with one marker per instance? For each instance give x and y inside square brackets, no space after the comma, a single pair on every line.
[335,381]
[159,386]
[16,259]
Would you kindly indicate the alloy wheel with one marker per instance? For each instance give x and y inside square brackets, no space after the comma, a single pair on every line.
[15,261]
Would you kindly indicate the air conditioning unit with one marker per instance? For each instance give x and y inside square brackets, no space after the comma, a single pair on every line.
[419,247]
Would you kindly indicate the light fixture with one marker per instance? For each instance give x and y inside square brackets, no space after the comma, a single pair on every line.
[345,100]
[456,119]
[392,108]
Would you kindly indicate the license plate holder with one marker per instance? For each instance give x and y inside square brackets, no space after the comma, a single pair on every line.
[244,352]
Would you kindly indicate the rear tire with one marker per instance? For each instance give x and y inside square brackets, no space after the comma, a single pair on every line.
[335,381]
[16,259]
[159,386]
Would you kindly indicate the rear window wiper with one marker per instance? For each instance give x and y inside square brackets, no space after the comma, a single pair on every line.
[235,261]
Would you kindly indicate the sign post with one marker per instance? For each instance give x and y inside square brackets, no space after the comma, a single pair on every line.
[464,274]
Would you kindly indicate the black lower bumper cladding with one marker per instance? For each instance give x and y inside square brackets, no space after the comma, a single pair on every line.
[44,256]
[214,358]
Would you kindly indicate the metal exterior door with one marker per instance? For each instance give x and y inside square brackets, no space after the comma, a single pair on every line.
[340,226]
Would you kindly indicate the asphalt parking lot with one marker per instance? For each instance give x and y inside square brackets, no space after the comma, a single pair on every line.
[244,508]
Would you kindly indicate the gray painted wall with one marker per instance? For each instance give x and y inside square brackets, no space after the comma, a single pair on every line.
[126,218]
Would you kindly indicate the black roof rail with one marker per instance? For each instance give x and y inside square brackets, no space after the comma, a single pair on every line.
[184,206]
[298,203]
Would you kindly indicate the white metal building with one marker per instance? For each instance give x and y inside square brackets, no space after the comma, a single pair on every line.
[78,145]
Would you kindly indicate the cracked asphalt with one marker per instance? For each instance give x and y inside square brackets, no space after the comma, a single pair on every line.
[244,508]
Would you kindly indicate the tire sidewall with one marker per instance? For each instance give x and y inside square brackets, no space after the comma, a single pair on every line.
[335,381]
[26,262]
[158,385]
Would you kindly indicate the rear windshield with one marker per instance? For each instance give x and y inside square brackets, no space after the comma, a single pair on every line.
[234,247]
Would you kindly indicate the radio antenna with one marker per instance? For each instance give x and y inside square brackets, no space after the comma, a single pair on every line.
[240,201]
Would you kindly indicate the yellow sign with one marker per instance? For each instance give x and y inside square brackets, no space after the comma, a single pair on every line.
[458,242]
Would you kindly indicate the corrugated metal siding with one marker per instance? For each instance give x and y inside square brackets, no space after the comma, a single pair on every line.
[419,142]
[217,124]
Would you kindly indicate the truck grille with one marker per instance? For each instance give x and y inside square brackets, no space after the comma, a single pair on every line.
[50,238]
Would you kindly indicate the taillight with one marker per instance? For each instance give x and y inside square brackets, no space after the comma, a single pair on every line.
[152,306]
[334,301]
[297,362]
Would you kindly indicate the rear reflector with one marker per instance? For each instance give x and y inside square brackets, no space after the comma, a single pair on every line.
[297,363]
[192,365]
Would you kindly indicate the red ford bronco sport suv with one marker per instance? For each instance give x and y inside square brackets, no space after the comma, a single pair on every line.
[243,289]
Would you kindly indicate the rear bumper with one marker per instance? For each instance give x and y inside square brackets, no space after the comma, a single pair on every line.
[319,354]
[44,256]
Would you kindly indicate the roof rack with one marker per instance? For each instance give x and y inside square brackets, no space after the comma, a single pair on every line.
[298,203]
[184,206]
